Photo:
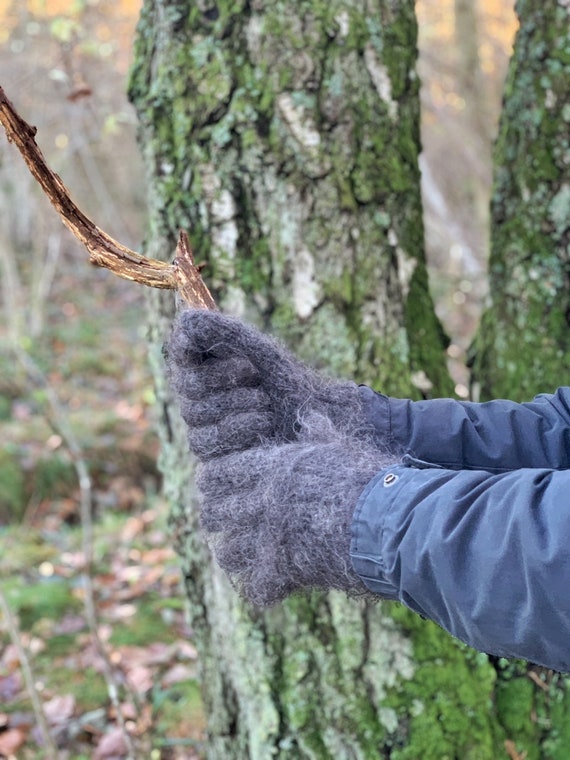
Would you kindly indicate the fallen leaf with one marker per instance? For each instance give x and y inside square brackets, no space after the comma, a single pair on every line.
[11,740]
[172,578]
[130,656]
[59,709]
[187,650]
[158,555]
[10,657]
[144,719]
[10,686]
[158,653]
[178,673]
[150,515]
[22,720]
[126,411]
[111,745]
[70,624]
[75,560]
[128,711]
[122,612]
[512,751]
[153,574]
[140,679]
[132,528]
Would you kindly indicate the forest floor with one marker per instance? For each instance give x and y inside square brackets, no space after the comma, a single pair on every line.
[94,360]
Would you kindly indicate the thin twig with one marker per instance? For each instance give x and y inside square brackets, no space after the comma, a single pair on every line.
[58,420]
[533,675]
[512,752]
[182,275]
[43,282]
[11,289]
[47,739]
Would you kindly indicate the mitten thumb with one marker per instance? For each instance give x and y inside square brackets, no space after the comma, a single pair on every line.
[216,336]
[293,389]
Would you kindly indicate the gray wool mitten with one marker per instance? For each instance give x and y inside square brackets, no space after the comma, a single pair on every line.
[278,516]
[285,455]
[238,387]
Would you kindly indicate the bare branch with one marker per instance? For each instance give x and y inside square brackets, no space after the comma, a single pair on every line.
[50,748]
[58,420]
[182,275]
[189,283]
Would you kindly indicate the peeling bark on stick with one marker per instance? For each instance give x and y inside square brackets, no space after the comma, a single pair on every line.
[182,275]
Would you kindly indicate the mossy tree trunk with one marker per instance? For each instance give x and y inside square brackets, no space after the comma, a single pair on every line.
[284,137]
[523,346]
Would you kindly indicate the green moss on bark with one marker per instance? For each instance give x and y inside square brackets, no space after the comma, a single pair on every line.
[446,711]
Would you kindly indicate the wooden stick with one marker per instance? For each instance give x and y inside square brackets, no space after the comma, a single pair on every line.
[49,744]
[182,275]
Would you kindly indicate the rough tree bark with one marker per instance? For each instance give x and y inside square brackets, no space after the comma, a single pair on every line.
[284,136]
[523,346]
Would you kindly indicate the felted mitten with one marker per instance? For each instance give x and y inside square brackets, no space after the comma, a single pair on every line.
[238,387]
[278,516]
[285,455]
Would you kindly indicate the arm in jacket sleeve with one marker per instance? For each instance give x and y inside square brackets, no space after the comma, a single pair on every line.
[291,483]
[495,436]
[484,556]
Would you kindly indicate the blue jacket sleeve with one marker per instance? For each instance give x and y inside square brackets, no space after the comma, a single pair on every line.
[495,436]
[486,556]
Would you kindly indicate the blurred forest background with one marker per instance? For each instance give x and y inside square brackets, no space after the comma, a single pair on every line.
[79,399]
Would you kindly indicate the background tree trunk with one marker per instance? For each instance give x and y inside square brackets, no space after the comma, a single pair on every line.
[285,138]
[523,345]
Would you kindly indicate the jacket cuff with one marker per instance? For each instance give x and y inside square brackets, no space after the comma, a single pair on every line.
[366,533]
[376,409]
[390,418]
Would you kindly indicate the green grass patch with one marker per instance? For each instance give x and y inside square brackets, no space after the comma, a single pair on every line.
[12,498]
[22,549]
[36,599]
[179,710]
[85,684]
[146,626]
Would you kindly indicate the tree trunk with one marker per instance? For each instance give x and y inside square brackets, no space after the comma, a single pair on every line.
[523,346]
[284,136]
